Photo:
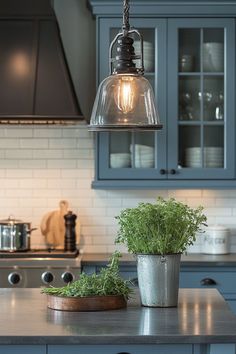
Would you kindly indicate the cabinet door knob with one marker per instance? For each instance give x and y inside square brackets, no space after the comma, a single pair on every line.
[207,281]
[162,171]
[172,171]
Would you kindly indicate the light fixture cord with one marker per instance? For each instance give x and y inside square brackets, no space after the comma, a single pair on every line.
[126,25]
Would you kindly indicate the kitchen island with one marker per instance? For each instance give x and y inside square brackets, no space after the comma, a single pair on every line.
[201,322]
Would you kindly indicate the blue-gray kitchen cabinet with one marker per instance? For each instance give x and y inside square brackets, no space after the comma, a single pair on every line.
[223,278]
[23,349]
[196,103]
[121,349]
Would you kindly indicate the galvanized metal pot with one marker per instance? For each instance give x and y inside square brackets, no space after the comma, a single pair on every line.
[158,278]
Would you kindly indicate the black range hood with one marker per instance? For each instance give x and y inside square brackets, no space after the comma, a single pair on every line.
[35,83]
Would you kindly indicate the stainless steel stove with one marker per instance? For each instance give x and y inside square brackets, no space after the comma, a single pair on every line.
[38,268]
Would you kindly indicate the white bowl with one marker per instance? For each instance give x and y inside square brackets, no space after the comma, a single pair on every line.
[142,148]
[120,160]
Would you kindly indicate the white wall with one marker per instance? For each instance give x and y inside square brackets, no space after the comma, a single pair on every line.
[39,166]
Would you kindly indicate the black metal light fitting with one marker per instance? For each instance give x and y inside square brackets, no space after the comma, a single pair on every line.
[125,99]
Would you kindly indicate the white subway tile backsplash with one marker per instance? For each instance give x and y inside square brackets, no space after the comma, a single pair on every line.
[9,163]
[185,193]
[18,193]
[35,164]
[219,193]
[40,166]
[94,231]
[8,143]
[103,240]
[18,132]
[32,183]
[218,212]
[62,144]
[18,174]
[33,143]
[46,173]
[47,154]
[48,132]
[85,144]
[61,183]
[9,183]
[61,163]
[45,193]
[18,154]
[226,202]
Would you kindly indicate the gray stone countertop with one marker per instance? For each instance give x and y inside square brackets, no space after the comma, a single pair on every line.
[202,316]
[191,259]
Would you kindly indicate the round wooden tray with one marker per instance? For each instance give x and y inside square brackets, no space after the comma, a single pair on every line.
[87,303]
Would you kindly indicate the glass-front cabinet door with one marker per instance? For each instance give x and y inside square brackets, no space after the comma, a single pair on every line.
[201,116]
[136,155]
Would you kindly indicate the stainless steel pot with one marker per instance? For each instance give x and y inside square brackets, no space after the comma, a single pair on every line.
[14,235]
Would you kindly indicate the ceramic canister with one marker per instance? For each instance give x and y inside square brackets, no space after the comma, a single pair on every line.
[216,240]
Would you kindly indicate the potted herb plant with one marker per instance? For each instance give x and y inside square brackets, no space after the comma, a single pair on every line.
[158,234]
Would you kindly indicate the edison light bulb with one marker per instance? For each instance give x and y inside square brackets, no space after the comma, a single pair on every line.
[125,94]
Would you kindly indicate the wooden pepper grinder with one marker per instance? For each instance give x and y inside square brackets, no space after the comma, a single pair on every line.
[70,234]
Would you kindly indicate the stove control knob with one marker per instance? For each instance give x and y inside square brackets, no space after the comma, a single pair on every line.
[47,277]
[14,278]
[67,277]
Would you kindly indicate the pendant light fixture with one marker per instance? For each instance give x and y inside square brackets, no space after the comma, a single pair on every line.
[125,99]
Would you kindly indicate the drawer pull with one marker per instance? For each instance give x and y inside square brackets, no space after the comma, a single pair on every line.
[207,281]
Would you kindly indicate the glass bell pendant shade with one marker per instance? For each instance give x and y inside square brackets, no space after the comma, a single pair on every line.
[124,101]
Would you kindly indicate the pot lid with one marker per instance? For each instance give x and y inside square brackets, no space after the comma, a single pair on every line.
[11,220]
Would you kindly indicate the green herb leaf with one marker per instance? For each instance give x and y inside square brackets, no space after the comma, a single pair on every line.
[167,226]
[107,282]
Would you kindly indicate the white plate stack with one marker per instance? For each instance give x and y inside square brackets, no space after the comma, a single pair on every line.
[213,56]
[143,156]
[213,157]
[148,54]
[120,160]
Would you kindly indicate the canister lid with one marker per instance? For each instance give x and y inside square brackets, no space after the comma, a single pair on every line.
[217,227]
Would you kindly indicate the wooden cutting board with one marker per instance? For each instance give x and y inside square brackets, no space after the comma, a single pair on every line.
[53,226]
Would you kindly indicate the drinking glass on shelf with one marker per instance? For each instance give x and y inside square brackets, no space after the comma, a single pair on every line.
[186,106]
[219,110]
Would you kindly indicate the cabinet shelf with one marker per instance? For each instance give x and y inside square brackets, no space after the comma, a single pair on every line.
[199,123]
[201,73]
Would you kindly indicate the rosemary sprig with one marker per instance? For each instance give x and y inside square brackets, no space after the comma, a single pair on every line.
[107,282]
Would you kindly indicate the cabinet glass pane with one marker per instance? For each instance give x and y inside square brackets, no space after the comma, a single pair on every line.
[189,104]
[213,50]
[189,50]
[119,147]
[143,150]
[201,112]
[214,147]
[189,141]
[136,150]
[213,98]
